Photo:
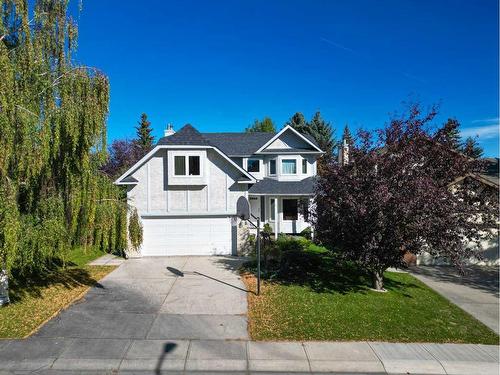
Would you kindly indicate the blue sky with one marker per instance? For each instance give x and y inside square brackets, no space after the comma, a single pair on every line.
[220,64]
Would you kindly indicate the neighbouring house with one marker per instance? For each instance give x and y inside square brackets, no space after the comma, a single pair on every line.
[487,184]
[185,189]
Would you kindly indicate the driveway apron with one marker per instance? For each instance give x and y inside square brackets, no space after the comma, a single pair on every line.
[160,298]
[475,292]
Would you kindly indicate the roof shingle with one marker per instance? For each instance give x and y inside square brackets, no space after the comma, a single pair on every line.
[272,186]
[232,144]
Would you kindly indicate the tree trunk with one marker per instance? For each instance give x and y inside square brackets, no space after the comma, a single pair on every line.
[378,280]
[4,287]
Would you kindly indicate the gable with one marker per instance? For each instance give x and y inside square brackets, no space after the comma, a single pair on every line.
[288,140]
[129,177]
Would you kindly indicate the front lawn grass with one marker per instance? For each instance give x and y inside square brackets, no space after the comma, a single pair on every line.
[344,309]
[35,300]
[80,256]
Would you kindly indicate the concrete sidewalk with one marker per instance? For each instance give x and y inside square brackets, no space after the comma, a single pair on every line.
[54,355]
[107,260]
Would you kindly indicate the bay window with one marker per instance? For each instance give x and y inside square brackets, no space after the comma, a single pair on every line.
[289,166]
[272,167]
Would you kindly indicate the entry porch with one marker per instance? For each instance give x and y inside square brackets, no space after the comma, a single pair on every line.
[284,213]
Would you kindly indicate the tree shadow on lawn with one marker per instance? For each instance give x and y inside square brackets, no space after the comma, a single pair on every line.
[33,286]
[325,274]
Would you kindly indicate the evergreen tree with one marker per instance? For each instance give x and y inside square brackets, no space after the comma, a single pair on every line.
[322,132]
[449,134]
[266,125]
[347,135]
[298,122]
[144,139]
[472,149]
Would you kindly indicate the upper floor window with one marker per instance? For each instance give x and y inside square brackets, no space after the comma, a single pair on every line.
[304,166]
[272,167]
[289,166]
[253,165]
[194,165]
[183,167]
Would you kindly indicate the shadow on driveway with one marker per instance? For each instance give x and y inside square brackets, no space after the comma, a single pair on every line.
[483,278]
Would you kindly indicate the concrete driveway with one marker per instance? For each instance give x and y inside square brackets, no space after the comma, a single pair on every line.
[160,298]
[476,291]
[188,316]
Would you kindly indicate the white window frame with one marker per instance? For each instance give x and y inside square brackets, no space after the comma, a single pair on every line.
[304,160]
[272,210]
[186,166]
[275,167]
[253,159]
[289,174]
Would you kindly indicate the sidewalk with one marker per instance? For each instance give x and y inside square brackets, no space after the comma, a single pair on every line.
[51,355]
[107,260]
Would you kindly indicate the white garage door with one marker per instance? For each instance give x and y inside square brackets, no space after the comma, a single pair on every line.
[186,236]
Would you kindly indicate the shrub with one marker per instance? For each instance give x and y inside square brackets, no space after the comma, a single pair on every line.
[287,243]
[135,230]
[307,233]
[296,264]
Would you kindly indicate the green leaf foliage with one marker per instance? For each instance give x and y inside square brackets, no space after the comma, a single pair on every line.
[53,140]
[135,230]
[266,125]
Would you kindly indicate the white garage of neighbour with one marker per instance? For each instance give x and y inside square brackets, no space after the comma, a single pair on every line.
[186,236]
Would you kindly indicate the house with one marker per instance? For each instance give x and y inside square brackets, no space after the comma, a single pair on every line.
[186,188]
[485,183]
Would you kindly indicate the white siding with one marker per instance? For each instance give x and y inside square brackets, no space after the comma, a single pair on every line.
[154,194]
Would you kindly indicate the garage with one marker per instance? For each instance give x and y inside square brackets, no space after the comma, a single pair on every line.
[186,236]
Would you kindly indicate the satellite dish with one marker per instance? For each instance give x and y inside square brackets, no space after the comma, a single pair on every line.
[243,208]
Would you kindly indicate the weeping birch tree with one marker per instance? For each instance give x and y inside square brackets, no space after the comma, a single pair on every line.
[52,141]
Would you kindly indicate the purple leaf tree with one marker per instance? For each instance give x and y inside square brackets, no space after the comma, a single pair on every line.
[397,194]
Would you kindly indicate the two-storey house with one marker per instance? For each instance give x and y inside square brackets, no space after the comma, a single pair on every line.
[185,189]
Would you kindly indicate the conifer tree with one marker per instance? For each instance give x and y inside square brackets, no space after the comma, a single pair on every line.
[472,149]
[144,139]
[449,134]
[298,122]
[346,135]
[322,132]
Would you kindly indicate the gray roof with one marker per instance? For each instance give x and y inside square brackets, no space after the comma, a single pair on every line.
[129,179]
[232,144]
[186,136]
[287,151]
[238,143]
[271,186]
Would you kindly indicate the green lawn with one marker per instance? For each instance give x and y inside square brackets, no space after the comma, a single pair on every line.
[343,308]
[80,256]
[35,300]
